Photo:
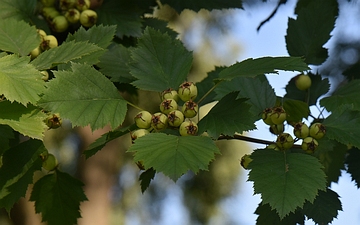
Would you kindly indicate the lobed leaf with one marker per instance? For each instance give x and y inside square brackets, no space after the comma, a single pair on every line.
[229,116]
[296,110]
[353,162]
[57,197]
[145,178]
[19,80]
[16,173]
[179,6]
[159,62]
[18,9]
[85,97]
[174,155]
[260,66]
[18,37]
[286,180]
[267,216]
[28,121]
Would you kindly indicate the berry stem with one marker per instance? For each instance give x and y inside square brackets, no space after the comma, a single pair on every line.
[249,139]
[135,106]
[207,93]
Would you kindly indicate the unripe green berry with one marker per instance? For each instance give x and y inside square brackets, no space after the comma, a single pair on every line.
[53,121]
[273,146]
[190,109]
[50,13]
[72,15]
[67,4]
[82,5]
[45,76]
[284,141]
[59,24]
[138,133]
[266,116]
[309,144]
[42,33]
[35,53]
[302,82]
[168,105]
[88,18]
[277,128]
[188,128]
[50,162]
[187,91]
[245,161]
[170,94]
[317,130]
[278,115]
[159,121]
[49,42]
[143,119]
[301,130]
[176,118]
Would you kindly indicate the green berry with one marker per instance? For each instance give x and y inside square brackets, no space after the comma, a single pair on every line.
[72,15]
[54,121]
[273,146]
[168,105]
[266,116]
[82,5]
[35,52]
[59,24]
[49,42]
[159,121]
[309,145]
[301,130]
[143,119]
[50,162]
[170,94]
[278,115]
[187,91]
[88,18]
[188,128]
[45,76]
[50,13]
[42,33]
[67,4]
[138,133]
[176,117]
[284,141]
[277,128]
[190,109]
[317,130]
[245,161]
[302,82]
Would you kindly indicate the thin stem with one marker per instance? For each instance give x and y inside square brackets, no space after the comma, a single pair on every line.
[209,91]
[249,139]
[135,106]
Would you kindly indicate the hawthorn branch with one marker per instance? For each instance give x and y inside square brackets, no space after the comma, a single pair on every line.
[272,14]
[249,139]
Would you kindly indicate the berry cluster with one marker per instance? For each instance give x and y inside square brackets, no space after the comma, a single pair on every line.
[47,42]
[60,14]
[171,115]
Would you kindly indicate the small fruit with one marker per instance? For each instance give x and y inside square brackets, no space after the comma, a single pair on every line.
[309,144]
[59,24]
[266,116]
[273,146]
[88,18]
[176,117]
[277,128]
[302,82]
[168,105]
[278,115]
[50,162]
[54,121]
[301,130]
[170,94]
[188,128]
[138,133]
[67,4]
[35,53]
[82,5]
[49,42]
[42,33]
[50,13]
[187,91]
[317,130]
[72,15]
[190,109]
[143,119]
[284,141]
[159,121]
[45,76]
[245,161]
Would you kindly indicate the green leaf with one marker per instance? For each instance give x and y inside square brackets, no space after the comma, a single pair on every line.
[228,116]
[324,208]
[6,133]
[346,94]
[179,6]
[257,89]
[296,110]
[174,155]
[267,216]
[57,197]
[311,30]
[85,96]
[353,162]
[340,127]
[260,66]
[353,71]
[114,64]
[18,9]
[18,37]
[16,173]
[145,178]
[19,80]
[206,85]
[318,88]
[99,143]
[160,62]
[125,14]
[28,121]
[160,25]
[66,52]
[286,180]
